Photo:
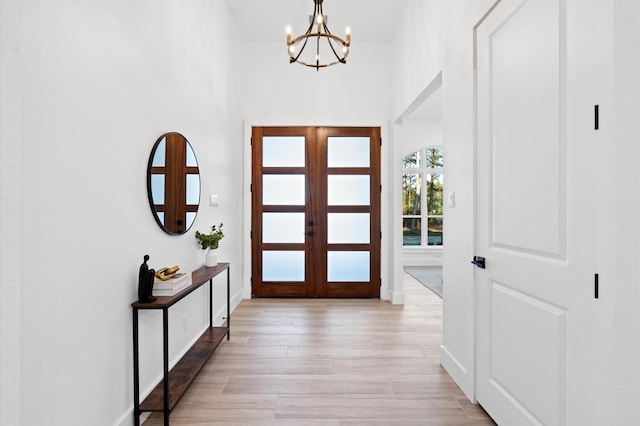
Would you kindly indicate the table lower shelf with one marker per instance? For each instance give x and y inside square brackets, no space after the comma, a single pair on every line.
[185,371]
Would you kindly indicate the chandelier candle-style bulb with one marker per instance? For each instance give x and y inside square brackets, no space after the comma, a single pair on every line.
[324,44]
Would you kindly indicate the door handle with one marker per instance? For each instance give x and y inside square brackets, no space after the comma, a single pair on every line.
[310,233]
[479,262]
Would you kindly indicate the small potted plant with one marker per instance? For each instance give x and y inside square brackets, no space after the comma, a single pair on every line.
[210,243]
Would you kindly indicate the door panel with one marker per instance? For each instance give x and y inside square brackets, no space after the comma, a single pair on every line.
[525,49]
[316,212]
[535,294]
[528,329]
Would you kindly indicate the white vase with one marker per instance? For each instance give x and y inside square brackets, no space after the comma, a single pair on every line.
[211,258]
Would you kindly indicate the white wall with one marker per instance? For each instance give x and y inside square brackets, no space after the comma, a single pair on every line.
[277,93]
[100,82]
[10,212]
[433,37]
[457,354]
[417,51]
[622,293]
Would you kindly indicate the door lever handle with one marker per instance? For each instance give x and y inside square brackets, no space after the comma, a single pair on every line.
[309,233]
[479,262]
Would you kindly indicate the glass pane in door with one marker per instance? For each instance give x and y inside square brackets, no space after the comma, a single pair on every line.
[348,266]
[283,228]
[278,190]
[348,151]
[283,151]
[284,265]
[348,190]
[348,228]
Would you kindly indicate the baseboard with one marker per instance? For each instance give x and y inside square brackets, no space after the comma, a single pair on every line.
[246,293]
[397,298]
[458,372]
[127,419]
[236,299]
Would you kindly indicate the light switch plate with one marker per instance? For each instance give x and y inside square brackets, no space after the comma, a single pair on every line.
[452,199]
[213,200]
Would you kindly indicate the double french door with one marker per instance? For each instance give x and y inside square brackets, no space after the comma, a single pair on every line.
[315,212]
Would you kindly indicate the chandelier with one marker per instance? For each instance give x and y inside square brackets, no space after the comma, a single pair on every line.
[329,49]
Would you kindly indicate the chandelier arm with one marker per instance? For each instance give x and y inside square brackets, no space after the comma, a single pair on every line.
[306,39]
[310,29]
[319,66]
[334,51]
[333,36]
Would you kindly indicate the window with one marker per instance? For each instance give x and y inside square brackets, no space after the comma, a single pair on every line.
[422,174]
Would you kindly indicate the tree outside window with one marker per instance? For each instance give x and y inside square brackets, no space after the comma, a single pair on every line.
[422,174]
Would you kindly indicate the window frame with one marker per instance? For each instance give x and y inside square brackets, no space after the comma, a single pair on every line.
[423,171]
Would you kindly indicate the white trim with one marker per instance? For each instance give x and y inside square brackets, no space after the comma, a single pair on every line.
[397,298]
[457,372]
[125,420]
[246,195]
[433,85]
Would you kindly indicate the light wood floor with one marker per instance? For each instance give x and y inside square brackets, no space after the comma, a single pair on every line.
[329,362]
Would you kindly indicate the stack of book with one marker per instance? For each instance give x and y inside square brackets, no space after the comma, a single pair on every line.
[171,286]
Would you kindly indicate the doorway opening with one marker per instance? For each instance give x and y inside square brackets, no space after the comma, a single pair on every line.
[420,160]
[423,214]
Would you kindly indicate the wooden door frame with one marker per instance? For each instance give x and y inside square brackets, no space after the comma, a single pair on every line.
[378,267]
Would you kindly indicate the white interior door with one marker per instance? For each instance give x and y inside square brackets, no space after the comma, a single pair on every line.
[536,213]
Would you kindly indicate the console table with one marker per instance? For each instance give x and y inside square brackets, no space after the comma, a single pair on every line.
[167,393]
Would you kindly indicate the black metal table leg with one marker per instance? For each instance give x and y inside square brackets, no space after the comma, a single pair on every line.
[228,303]
[211,302]
[165,355]
[136,371]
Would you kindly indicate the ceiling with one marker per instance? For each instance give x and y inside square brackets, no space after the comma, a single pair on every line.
[370,20]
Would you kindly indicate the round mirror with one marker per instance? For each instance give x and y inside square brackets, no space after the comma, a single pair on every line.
[173,183]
